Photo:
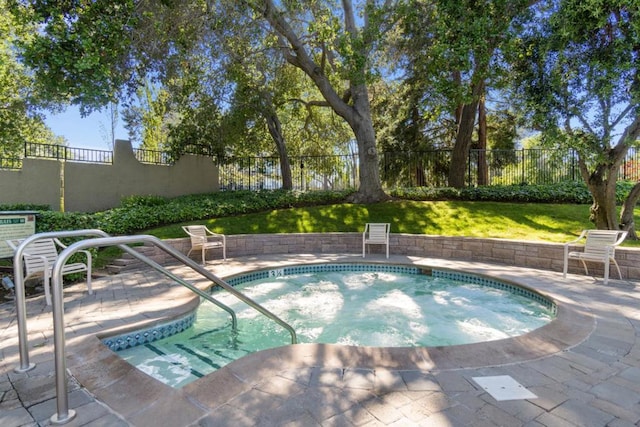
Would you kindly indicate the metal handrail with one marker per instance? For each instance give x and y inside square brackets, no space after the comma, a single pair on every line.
[18,277]
[18,274]
[64,414]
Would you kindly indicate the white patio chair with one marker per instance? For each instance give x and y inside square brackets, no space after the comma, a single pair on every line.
[204,239]
[38,259]
[376,234]
[599,246]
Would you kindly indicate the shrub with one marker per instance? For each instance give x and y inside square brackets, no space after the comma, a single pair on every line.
[138,213]
[134,201]
[24,207]
[566,192]
[59,221]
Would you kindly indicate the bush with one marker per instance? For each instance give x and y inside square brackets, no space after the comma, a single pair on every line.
[566,192]
[134,201]
[24,207]
[138,213]
[60,221]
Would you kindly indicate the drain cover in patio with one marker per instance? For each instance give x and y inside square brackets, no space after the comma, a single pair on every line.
[503,387]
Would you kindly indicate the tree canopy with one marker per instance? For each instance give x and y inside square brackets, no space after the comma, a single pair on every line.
[19,99]
[319,76]
[578,69]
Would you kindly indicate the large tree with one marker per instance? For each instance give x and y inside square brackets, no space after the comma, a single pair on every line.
[333,46]
[578,66]
[87,51]
[453,51]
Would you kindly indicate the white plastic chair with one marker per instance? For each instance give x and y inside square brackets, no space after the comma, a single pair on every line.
[39,257]
[204,239]
[376,234]
[599,246]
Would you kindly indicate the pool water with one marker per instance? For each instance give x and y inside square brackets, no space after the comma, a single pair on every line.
[380,309]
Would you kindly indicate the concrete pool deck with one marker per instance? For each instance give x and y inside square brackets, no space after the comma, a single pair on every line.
[583,370]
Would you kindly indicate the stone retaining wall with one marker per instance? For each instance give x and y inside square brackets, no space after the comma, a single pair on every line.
[547,256]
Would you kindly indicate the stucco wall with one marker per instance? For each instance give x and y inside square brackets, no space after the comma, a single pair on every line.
[546,256]
[37,182]
[93,187]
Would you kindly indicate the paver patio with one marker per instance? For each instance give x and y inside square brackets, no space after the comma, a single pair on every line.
[585,370]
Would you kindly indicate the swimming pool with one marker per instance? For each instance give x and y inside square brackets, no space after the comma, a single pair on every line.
[338,303]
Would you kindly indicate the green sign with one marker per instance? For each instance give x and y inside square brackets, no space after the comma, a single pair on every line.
[15,226]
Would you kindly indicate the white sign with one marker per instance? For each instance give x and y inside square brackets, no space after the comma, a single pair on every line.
[14,225]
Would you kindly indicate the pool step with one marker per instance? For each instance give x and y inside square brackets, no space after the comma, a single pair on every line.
[126,262]
[177,364]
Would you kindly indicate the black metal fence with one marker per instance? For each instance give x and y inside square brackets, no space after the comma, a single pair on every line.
[82,155]
[338,172]
[484,167]
[307,173]
[61,152]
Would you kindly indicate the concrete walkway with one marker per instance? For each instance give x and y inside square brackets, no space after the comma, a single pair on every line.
[584,368]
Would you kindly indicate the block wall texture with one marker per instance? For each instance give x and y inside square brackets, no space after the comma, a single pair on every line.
[540,255]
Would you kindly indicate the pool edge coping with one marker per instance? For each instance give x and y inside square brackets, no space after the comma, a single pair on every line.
[571,327]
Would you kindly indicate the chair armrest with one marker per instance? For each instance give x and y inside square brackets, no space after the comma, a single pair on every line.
[59,243]
[623,235]
[86,252]
[13,244]
[89,257]
[580,237]
[213,234]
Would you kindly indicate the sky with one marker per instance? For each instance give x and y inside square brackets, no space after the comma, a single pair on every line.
[88,132]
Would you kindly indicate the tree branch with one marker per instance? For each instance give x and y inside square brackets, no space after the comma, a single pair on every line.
[630,133]
[301,58]
[310,103]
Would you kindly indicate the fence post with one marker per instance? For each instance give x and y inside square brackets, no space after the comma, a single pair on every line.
[469,168]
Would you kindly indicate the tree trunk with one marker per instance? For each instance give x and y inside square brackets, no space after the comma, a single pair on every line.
[370,190]
[483,170]
[626,216]
[460,152]
[275,130]
[602,186]
[603,210]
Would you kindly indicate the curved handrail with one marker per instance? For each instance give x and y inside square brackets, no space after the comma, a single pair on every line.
[160,269]
[18,277]
[63,413]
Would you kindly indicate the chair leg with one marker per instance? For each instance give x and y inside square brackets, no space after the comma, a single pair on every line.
[203,259]
[617,267]
[606,271]
[584,264]
[89,289]
[47,289]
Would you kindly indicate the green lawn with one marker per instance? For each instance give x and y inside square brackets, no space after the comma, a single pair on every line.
[542,222]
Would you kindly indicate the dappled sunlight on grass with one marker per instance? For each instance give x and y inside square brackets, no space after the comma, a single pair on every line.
[521,221]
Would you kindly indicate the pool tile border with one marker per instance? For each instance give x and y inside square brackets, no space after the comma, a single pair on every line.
[148,335]
[497,284]
[167,329]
